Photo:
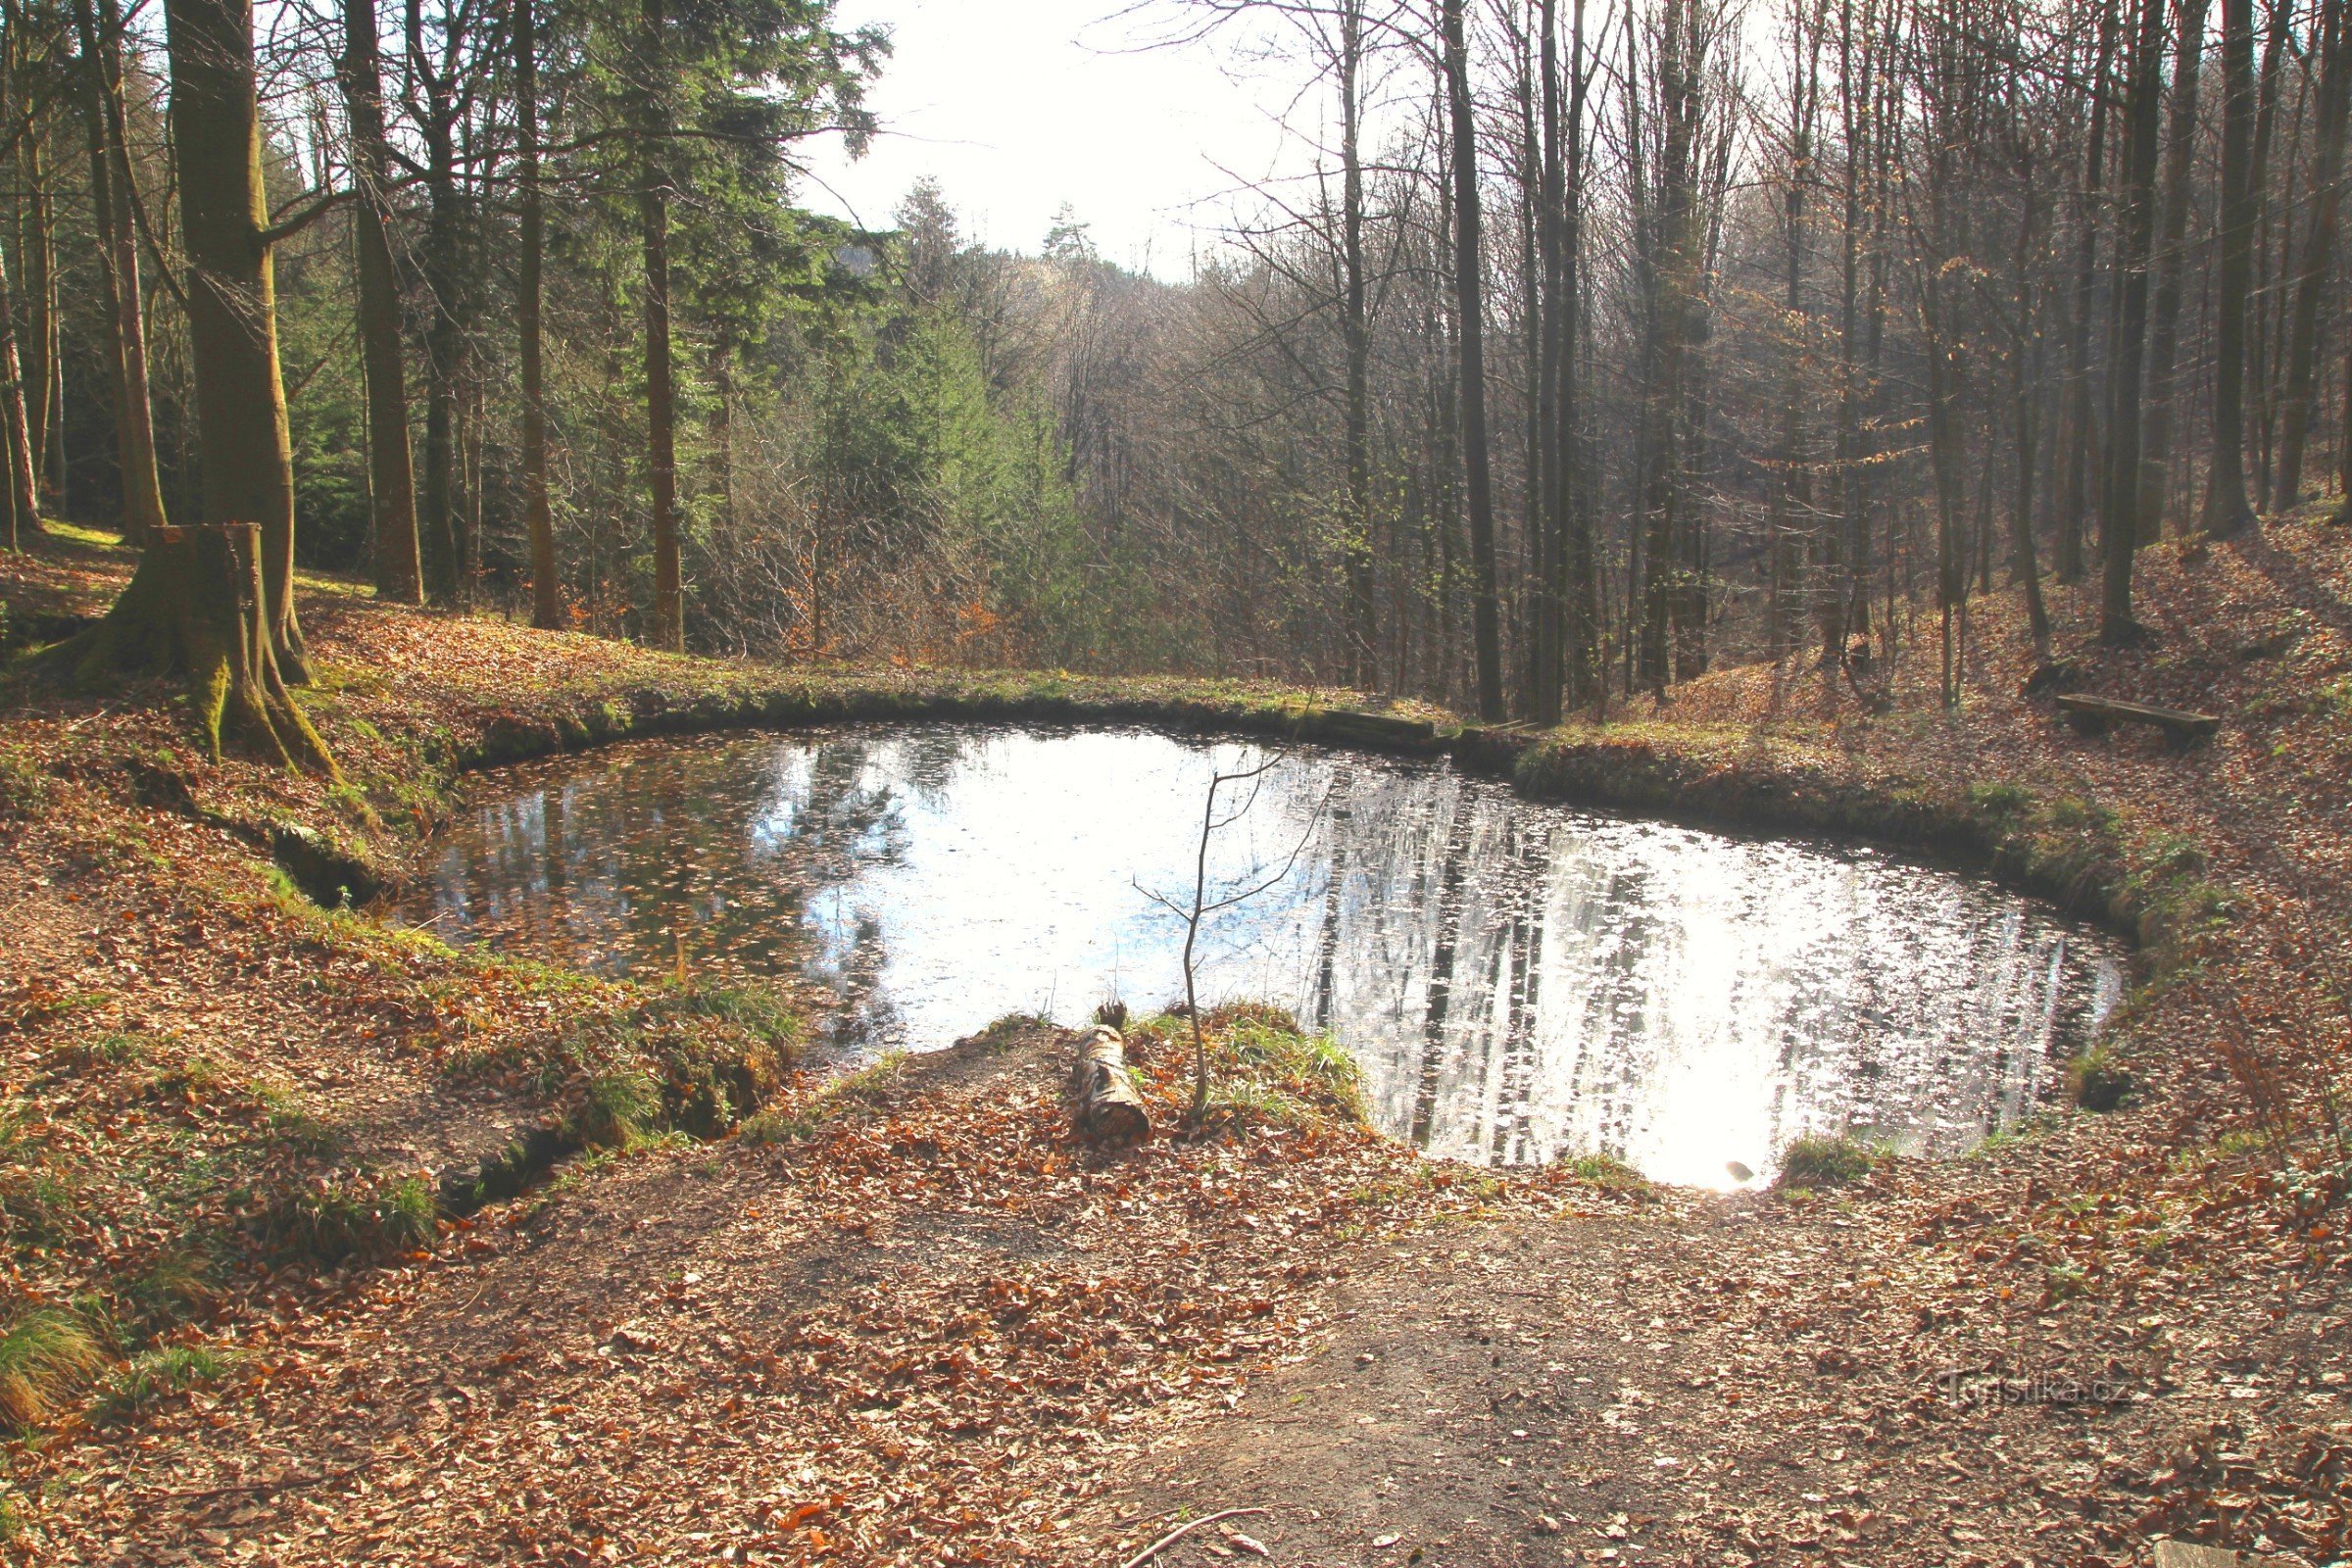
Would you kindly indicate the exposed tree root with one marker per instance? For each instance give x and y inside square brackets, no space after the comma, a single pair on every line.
[194,607]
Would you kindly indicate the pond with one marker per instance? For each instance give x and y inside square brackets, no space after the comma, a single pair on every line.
[1518,980]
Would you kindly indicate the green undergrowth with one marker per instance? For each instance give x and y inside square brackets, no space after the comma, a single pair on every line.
[1813,1162]
[1264,1069]
[846,1097]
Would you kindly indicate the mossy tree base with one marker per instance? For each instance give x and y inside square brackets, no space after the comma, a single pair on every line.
[194,607]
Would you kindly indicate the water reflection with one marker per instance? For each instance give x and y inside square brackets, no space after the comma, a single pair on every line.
[1518,980]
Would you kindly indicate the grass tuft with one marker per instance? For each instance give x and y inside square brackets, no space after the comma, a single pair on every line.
[2097,1082]
[1604,1171]
[44,1355]
[333,1222]
[1820,1161]
[619,1107]
[156,1375]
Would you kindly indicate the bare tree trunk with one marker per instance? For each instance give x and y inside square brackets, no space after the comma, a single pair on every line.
[1793,497]
[391,480]
[119,269]
[2118,519]
[1363,659]
[2226,509]
[208,601]
[1587,674]
[2296,410]
[2025,395]
[2074,480]
[547,597]
[24,499]
[2172,248]
[1485,624]
[438,548]
[38,248]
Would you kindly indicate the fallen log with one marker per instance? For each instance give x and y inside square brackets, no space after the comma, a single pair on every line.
[2092,714]
[1105,1104]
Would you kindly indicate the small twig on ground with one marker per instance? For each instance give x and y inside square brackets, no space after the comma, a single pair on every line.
[1184,1530]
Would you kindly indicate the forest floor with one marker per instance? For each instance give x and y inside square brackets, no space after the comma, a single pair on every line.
[903,1318]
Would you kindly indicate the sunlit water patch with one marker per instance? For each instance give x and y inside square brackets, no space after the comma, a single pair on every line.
[1519,980]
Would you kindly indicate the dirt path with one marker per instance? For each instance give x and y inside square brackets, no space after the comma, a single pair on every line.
[1717,1382]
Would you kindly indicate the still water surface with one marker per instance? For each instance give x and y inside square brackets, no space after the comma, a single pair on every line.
[1519,980]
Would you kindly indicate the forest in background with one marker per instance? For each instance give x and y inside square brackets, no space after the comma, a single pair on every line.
[1603,343]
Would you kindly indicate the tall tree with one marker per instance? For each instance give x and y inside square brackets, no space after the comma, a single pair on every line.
[2172,260]
[119,295]
[2297,403]
[1470,309]
[391,476]
[440,61]
[660,395]
[546,595]
[2227,508]
[2079,435]
[2119,507]
[36,249]
[215,601]
[1363,657]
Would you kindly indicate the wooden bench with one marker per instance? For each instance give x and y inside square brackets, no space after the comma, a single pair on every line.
[2092,714]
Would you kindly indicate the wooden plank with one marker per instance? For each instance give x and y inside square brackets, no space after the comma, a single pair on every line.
[2116,710]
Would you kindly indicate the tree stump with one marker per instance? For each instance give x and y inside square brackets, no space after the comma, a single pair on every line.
[1105,1104]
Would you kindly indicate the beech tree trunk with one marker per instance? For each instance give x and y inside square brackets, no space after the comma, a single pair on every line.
[213,602]
[197,606]
[2163,344]
[1486,627]
[660,397]
[391,475]
[1363,660]
[241,435]
[2319,244]
[546,599]
[38,249]
[2226,509]
[120,296]
[24,499]
[2077,434]
[2119,509]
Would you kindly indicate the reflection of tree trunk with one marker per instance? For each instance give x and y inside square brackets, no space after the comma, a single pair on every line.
[1531,882]
[1327,954]
[1454,868]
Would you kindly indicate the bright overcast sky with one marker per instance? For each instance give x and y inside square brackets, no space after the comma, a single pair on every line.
[1016,106]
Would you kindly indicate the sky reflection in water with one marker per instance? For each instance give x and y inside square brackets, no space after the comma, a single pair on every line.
[1519,980]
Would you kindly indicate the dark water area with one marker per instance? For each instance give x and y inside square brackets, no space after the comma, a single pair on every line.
[1519,980]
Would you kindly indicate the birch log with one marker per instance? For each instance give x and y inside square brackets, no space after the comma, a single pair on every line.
[1105,1104]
